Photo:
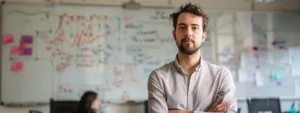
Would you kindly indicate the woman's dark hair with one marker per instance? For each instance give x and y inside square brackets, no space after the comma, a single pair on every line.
[86,101]
[190,8]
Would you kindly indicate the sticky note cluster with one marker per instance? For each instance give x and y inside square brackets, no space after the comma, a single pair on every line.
[24,49]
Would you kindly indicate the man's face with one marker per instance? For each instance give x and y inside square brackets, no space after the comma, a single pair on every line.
[189,34]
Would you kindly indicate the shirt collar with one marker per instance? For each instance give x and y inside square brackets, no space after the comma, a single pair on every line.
[197,68]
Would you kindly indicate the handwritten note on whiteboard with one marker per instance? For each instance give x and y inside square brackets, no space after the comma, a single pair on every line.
[259,79]
[246,75]
[294,53]
[297,88]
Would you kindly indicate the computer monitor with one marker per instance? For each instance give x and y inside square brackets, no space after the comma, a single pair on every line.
[63,106]
[264,105]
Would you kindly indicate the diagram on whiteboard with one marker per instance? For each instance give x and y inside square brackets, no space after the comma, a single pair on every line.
[110,54]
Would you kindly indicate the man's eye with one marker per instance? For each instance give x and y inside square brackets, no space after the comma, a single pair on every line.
[195,28]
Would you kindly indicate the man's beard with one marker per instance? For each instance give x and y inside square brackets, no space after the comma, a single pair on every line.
[186,50]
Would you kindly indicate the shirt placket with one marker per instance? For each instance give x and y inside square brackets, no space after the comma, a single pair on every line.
[191,85]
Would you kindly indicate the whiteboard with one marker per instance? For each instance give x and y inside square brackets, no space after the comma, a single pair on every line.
[77,48]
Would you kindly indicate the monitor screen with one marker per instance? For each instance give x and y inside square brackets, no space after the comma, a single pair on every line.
[264,105]
[63,106]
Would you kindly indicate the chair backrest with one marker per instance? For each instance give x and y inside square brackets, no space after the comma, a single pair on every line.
[264,105]
[63,106]
[239,110]
[146,106]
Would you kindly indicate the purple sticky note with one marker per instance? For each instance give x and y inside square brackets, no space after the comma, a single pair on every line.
[278,83]
[26,39]
[25,51]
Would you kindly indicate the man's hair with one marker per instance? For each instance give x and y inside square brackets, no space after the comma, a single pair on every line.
[190,8]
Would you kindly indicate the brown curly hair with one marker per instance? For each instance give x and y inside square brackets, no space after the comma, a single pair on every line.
[190,8]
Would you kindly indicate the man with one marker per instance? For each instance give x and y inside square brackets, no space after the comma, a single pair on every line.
[190,84]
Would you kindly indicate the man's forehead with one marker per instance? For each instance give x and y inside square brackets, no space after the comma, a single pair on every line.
[189,18]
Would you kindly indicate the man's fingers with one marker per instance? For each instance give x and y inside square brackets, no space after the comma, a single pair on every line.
[179,111]
[217,102]
[214,106]
[222,107]
[170,111]
[217,107]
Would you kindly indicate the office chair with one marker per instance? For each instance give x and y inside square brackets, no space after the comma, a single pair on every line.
[264,105]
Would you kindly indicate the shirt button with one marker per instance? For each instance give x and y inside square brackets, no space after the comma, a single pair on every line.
[190,94]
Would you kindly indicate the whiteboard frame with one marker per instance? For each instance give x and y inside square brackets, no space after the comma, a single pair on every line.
[1,41]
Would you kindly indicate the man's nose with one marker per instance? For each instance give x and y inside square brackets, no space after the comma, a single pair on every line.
[188,31]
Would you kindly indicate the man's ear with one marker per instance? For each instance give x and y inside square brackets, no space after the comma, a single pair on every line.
[203,36]
[174,34]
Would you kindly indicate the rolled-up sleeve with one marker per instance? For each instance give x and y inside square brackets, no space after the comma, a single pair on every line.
[228,91]
[156,98]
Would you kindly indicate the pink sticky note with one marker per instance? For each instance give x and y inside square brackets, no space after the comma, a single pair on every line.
[7,39]
[25,51]
[26,39]
[17,66]
[15,50]
[274,43]
[255,48]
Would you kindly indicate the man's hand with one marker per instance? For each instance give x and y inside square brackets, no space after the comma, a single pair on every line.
[219,106]
[179,111]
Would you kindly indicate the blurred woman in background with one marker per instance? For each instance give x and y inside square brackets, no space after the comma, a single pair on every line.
[89,103]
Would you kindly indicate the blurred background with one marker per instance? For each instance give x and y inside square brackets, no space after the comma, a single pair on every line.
[54,50]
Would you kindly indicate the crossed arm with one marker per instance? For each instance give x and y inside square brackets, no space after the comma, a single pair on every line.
[157,100]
